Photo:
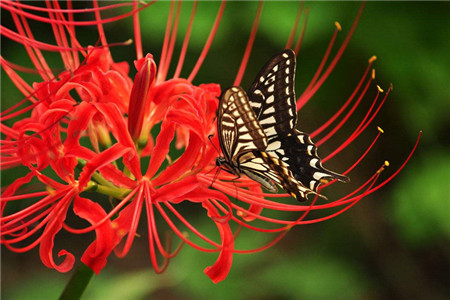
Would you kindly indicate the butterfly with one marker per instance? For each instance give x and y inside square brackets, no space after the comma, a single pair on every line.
[258,135]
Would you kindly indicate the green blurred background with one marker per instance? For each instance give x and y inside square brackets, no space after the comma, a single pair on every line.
[392,245]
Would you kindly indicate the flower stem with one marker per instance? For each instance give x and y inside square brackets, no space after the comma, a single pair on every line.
[77,283]
[115,192]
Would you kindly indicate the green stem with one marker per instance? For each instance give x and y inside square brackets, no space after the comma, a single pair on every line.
[77,283]
[115,192]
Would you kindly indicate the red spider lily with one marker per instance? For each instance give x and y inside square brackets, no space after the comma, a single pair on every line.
[91,128]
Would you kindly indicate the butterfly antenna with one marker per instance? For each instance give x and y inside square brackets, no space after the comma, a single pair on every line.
[215,176]
[209,138]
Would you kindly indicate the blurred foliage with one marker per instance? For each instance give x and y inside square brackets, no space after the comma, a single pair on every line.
[391,245]
[420,210]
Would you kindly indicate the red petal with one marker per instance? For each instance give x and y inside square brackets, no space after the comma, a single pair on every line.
[161,149]
[219,271]
[124,224]
[78,124]
[109,155]
[116,122]
[183,164]
[12,188]
[56,217]
[176,190]
[139,95]
[187,120]
[96,254]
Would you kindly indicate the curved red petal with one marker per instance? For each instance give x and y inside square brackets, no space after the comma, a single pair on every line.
[57,217]
[96,254]
[219,271]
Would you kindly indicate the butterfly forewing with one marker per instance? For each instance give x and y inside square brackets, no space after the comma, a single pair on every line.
[239,130]
[241,137]
[272,95]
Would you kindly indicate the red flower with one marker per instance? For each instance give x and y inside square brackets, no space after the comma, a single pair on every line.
[93,129]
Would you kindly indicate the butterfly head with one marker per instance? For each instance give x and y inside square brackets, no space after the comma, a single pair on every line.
[222,163]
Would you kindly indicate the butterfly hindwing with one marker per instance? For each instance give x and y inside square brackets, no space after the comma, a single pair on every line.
[298,152]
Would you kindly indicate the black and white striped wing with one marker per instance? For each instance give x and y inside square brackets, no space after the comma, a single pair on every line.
[272,95]
[290,153]
[280,173]
[298,153]
[238,128]
[241,138]
[257,133]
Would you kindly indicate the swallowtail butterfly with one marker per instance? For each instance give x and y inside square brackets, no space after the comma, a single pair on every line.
[257,133]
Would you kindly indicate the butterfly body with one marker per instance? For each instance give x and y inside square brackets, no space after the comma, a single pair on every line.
[257,133]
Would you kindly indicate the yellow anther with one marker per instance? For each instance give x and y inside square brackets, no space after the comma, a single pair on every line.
[50,190]
[380,89]
[373,74]
[391,87]
[241,214]
[380,129]
[372,59]
[386,164]
[338,26]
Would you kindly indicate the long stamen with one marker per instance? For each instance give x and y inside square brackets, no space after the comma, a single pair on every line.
[137,31]
[363,125]
[264,247]
[298,44]
[208,43]
[9,5]
[25,37]
[248,48]
[60,37]
[400,168]
[193,229]
[100,30]
[138,203]
[305,97]
[162,61]
[294,28]
[345,105]
[186,41]
[324,59]
[347,116]
[173,37]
